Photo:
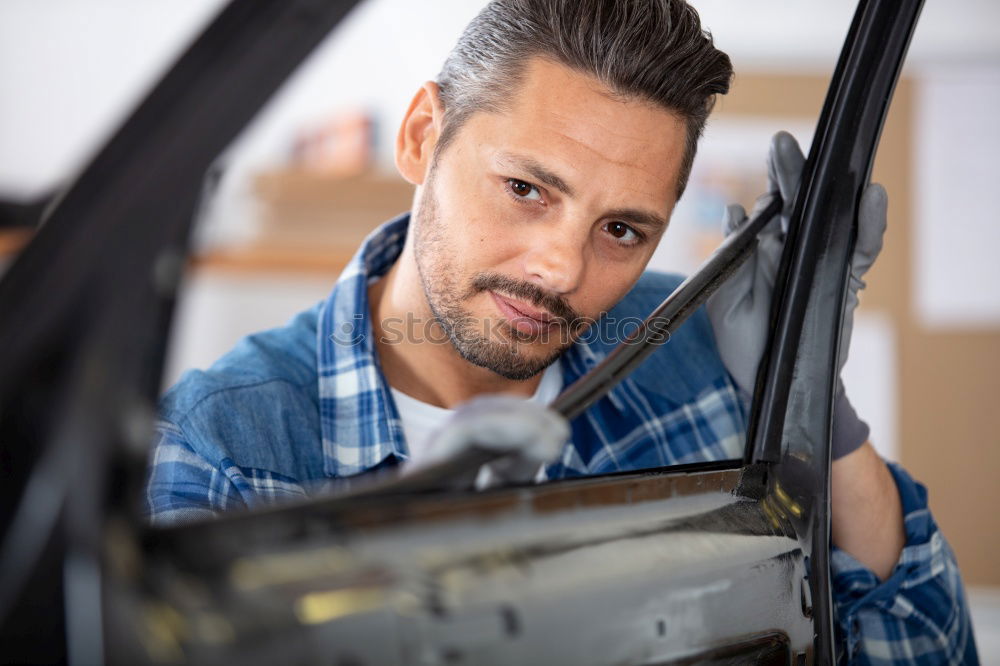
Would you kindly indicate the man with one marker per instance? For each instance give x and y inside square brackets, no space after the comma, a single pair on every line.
[547,159]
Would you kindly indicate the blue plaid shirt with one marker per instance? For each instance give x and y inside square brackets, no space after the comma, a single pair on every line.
[293,411]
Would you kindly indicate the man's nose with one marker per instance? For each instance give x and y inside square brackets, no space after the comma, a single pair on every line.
[556,259]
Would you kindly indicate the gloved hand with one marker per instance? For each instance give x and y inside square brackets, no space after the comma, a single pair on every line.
[740,309]
[528,433]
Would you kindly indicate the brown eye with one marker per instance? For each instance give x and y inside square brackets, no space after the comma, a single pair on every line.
[524,190]
[623,234]
[618,229]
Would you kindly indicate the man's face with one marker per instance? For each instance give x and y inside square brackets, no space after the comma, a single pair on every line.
[535,221]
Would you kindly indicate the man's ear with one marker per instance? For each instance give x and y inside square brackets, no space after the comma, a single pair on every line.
[418,134]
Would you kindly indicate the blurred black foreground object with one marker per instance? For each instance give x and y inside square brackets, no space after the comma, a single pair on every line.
[85,313]
[710,563]
[23,214]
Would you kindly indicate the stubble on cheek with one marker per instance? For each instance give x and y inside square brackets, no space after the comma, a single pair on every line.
[488,342]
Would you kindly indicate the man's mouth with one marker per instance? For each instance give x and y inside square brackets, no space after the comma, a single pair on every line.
[524,318]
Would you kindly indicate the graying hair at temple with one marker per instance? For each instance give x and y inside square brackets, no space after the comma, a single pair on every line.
[655,50]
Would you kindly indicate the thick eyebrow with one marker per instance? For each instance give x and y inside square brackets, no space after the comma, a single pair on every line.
[640,218]
[537,171]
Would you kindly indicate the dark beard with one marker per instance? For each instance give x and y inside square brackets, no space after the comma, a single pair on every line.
[498,347]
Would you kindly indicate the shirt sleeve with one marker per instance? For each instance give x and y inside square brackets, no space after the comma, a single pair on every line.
[181,484]
[919,614]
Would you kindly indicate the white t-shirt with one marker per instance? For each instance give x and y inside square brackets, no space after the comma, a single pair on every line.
[421,419]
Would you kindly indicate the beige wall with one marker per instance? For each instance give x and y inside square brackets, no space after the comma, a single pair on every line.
[948,420]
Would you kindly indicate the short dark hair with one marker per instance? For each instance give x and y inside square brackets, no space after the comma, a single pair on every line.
[654,50]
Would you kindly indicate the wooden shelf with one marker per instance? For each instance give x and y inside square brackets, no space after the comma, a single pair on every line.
[322,260]
[310,223]
[261,258]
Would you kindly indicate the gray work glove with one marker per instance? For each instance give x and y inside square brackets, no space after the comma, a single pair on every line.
[529,433]
[740,309]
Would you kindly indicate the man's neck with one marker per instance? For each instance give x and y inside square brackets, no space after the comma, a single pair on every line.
[429,370]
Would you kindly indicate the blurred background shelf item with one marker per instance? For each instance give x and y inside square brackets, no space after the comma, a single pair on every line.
[305,209]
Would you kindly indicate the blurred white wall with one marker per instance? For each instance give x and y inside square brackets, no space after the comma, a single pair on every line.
[807,34]
[957,285]
[69,73]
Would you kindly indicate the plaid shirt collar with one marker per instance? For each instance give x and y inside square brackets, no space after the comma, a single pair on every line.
[359,423]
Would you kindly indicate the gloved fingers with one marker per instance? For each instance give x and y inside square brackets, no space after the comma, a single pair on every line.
[503,424]
[735,294]
[769,249]
[732,218]
[784,168]
[742,286]
[732,312]
[778,224]
[739,329]
[738,289]
[872,219]
[872,211]
[739,310]
[511,469]
[735,215]
[770,242]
